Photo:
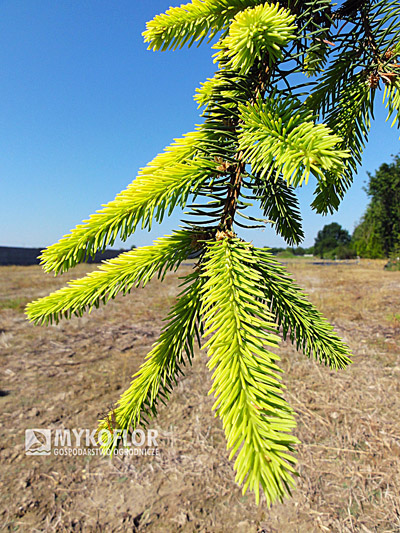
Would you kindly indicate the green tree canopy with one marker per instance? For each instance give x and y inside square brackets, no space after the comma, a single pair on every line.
[378,234]
[330,237]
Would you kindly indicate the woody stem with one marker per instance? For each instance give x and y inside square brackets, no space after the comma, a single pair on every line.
[235,183]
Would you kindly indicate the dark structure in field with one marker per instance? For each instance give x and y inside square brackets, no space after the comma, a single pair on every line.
[10,255]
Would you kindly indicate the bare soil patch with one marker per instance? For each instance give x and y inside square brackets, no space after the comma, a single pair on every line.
[66,376]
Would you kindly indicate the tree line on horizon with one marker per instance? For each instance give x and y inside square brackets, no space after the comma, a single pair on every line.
[376,236]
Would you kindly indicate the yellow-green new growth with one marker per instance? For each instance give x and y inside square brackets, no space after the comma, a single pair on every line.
[281,136]
[114,276]
[246,382]
[192,22]
[256,33]
[160,186]
[391,95]
[157,376]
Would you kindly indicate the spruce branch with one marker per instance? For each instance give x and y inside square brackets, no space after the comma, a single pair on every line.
[280,135]
[255,34]
[192,22]
[259,22]
[162,185]
[117,275]
[299,318]
[280,205]
[163,366]
[246,382]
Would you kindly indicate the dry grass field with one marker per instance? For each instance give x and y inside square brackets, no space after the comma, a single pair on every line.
[66,376]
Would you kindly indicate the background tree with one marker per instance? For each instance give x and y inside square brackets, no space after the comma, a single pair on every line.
[329,238]
[378,234]
[284,108]
[366,240]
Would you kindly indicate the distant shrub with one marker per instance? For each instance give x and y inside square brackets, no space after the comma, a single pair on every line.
[345,252]
[285,254]
[392,265]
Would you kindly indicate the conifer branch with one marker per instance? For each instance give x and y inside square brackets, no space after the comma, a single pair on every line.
[246,383]
[280,135]
[299,318]
[192,22]
[163,184]
[280,205]
[234,50]
[117,275]
[164,364]
[256,34]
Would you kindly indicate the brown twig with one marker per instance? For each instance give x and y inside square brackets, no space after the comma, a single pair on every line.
[230,207]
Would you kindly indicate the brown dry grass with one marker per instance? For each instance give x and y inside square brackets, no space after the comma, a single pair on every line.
[67,375]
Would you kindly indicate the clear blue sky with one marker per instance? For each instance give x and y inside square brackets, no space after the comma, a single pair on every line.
[84,105]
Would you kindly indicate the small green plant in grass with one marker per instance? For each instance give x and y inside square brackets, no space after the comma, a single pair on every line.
[394,318]
[394,259]
[392,265]
[14,303]
[290,103]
